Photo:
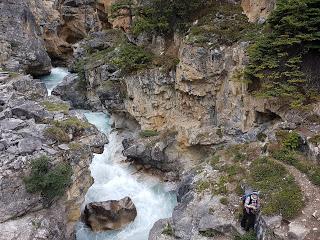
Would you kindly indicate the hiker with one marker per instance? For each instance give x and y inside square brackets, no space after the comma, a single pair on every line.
[250,210]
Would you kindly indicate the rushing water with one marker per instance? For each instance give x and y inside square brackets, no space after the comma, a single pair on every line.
[114,179]
[53,79]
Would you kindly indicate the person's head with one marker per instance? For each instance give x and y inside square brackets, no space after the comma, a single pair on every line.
[255,195]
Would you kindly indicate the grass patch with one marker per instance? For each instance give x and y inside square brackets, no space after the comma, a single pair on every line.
[168,230]
[55,107]
[280,192]
[57,134]
[290,157]
[50,181]
[224,201]
[290,140]
[209,233]
[148,133]
[315,139]
[247,236]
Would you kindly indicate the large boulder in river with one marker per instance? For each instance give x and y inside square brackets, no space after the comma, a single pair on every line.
[109,215]
[70,90]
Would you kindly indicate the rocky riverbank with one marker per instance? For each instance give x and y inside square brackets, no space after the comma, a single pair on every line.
[30,124]
[184,82]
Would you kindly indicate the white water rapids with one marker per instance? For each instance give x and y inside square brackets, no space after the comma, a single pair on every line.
[53,79]
[114,179]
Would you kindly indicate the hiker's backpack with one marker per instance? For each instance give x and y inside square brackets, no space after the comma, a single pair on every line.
[244,197]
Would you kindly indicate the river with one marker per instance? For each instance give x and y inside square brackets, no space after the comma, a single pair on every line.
[115,179]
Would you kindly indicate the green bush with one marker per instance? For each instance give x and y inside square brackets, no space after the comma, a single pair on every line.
[168,230]
[281,193]
[223,24]
[57,134]
[52,106]
[165,16]
[50,181]
[277,57]
[129,57]
[148,133]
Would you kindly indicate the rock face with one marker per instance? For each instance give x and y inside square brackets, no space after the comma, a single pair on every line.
[69,90]
[109,215]
[258,10]
[24,120]
[22,48]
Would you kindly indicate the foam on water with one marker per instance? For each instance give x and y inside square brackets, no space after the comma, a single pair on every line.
[114,179]
[54,78]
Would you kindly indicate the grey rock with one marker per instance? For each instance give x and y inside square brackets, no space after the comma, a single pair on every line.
[11,124]
[19,39]
[31,109]
[219,225]
[29,145]
[297,231]
[68,90]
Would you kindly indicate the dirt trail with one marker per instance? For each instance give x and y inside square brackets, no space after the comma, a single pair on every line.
[312,201]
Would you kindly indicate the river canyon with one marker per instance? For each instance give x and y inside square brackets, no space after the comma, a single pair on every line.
[182,106]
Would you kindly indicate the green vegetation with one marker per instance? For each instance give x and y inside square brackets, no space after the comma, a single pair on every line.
[165,16]
[57,134]
[148,133]
[60,130]
[129,57]
[48,180]
[315,139]
[209,233]
[224,201]
[203,185]
[289,140]
[224,24]
[280,192]
[120,4]
[52,106]
[247,236]
[168,230]
[290,157]
[287,153]
[277,57]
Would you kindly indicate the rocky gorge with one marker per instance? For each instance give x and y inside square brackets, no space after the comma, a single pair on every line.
[180,83]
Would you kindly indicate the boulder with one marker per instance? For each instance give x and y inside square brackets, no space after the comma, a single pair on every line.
[215,224]
[68,90]
[31,109]
[109,215]
[297,231]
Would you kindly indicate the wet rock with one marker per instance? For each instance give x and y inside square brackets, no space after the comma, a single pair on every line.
[109,215]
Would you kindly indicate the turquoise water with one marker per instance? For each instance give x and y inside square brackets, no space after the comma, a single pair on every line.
[114,179]
[53,79]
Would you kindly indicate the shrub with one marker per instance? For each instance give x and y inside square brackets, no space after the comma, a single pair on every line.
[52,106]
[203,185]
[129,57]
[315,139]
[57,134]
[281,193]
[148,133]
[72,123]
[48,180]
[209,233]
[165,16]
[168,230]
